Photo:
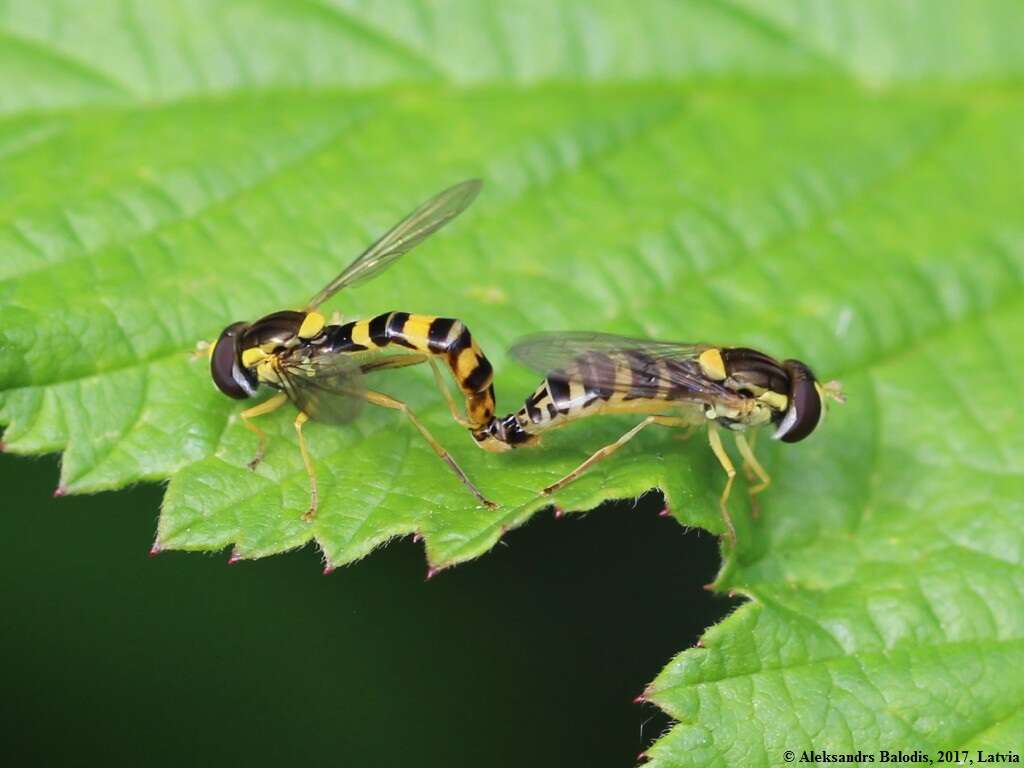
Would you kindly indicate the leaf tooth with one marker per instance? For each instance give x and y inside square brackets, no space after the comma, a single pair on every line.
[60,490]
[235,555]
[156,549]
[329,565]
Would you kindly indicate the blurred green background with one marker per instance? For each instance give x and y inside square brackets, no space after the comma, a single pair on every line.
[529,656]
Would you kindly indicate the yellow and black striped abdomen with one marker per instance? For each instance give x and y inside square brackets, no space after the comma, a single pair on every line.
[560,398]
[444,337]
[596,382]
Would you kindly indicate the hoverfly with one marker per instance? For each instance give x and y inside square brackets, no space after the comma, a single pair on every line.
[675,384]
[319,367]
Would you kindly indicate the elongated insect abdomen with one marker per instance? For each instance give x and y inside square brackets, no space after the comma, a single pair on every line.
[516,429]
[443,337]
[502,434]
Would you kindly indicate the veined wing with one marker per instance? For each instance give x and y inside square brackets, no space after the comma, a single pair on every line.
[608,364]
[325,387]
[403,237]
[544,352]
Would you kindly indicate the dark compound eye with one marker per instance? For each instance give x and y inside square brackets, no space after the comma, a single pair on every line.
[227,374]
[804,411]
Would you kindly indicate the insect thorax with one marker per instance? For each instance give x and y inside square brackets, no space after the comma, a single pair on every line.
[279,335]
[752,413]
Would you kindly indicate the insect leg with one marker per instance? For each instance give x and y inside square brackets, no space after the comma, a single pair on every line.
[674,421]
[267,406]
[601,453]
[723,458]
[314,496]
[750,462]
[401,361]
[452,408]
[395,361]
[442,337]
[385,401]
[686,425]
[748,470]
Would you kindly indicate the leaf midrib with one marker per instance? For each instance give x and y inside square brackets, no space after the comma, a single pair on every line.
[982,91]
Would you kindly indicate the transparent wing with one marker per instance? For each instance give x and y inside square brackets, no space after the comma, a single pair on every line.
[623,365]
[544,352]
[326,387]
[403,237]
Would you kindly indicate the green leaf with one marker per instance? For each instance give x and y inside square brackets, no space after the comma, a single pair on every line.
[836,183]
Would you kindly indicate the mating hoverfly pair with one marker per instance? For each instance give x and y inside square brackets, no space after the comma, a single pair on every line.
[321,368]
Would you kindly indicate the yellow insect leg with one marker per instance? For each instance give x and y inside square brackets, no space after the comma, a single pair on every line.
[686,425]
[452,408]
[748,468]
[723,458]
[599,454]
[400,361]
[267,406]
[314,495]
[385,401]
[751,463]
[394,361]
